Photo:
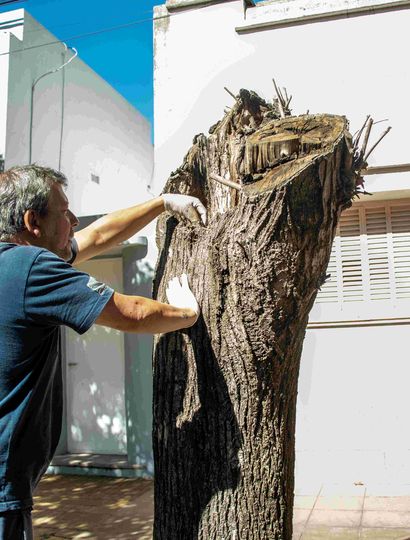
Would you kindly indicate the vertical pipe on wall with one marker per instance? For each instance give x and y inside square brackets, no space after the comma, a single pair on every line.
[60,148]
[33,86]
[30,133]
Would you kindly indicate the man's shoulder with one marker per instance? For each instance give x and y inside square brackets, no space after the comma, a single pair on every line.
[26,253]
[16,262]
[16,257]
[16,250]
[21,260]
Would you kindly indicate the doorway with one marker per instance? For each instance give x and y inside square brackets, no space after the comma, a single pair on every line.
[96,418]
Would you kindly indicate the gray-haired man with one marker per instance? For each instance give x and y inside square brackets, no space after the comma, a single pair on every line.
[40,291]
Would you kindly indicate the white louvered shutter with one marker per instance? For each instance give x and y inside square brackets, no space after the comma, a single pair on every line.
[400,227]
[370,259]
[377,241]
[351,256]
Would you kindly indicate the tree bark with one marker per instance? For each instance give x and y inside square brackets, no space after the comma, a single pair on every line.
[225,390]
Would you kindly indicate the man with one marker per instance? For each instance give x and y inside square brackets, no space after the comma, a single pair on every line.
[39,292]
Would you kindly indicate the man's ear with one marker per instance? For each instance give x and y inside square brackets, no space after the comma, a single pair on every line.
[31,223]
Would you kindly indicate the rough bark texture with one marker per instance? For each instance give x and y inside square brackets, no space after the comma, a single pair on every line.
[225,390]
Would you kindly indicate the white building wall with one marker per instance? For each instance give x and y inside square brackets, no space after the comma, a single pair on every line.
[352,419]
[345,66]
[8,25]
[4,76]
[80,124]
[352,422]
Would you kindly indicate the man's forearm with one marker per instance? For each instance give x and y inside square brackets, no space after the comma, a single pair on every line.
[164,318]
[114,228]
[137,314]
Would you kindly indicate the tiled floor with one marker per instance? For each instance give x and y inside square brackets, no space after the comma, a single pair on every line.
[84,507]
[353,512]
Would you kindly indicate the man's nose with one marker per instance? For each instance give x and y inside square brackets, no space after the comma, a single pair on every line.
[73,219]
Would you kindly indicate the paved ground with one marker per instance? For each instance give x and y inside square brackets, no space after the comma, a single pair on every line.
[77,507]
[353,513]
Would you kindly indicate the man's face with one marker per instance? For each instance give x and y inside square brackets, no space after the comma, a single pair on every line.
[57,226]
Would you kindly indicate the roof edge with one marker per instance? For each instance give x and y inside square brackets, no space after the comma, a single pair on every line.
[179,5]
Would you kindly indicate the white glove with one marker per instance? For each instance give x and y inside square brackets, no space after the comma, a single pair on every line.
[186,206]
[180,295]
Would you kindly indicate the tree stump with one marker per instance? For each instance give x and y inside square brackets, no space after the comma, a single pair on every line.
[225,390]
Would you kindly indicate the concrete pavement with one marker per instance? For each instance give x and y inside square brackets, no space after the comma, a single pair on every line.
[102,508]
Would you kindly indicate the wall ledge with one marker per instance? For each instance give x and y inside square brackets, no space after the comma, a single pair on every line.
[279,14]
[361,323]
[175,5]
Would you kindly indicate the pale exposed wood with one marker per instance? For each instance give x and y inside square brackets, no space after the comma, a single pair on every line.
[366,137]
[225,181]
[280,99]
[356,136]
[270,151]
[360,156]
[376,143]
[230,93]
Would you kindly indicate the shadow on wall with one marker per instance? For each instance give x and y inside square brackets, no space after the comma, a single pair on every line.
[95,392]
[104,420]
[111,406]
[138,278]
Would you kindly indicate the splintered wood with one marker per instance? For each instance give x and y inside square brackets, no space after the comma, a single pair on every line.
[289,139]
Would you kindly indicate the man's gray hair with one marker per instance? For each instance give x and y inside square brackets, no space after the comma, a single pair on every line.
[21,189]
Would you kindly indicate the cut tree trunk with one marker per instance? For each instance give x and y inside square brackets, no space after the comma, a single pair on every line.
[225,390]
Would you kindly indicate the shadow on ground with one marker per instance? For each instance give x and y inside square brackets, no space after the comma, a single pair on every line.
[77,507]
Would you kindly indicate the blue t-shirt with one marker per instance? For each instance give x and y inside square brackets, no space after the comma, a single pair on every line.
[39,292]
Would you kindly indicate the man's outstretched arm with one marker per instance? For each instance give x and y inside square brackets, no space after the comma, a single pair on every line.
[142,315]
[114,228]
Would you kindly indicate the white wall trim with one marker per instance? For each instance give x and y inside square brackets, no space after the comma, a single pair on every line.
[369,322]
[177,5]
[297,12]
[12,22]
[386,169]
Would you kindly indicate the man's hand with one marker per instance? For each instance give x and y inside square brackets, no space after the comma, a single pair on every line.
[186,206]
[180,295]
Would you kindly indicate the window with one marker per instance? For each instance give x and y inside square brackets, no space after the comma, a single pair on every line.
[370,259]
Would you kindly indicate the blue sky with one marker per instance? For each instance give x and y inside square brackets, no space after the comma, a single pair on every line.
[123,57]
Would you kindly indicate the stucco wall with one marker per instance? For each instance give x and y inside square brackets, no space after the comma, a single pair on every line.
[346,66]
[8,24]
[4,75]
[352,420]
